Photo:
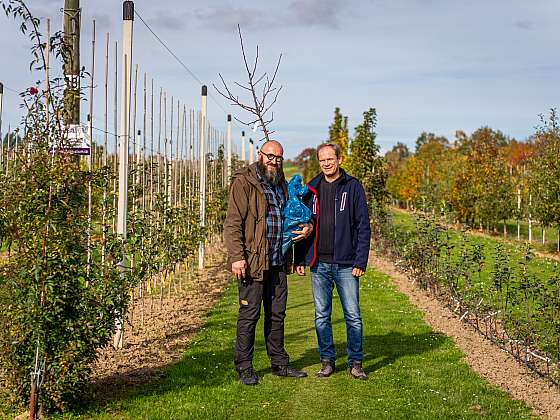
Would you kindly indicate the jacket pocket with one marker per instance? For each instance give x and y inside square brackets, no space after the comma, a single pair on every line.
[252,263]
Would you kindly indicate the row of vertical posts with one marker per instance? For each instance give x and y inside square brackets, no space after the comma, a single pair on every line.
[125,134]
[72,36]
[127,59]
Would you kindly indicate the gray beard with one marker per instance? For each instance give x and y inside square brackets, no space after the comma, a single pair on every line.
[271,178]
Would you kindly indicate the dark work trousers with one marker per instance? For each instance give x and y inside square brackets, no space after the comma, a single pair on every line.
[272,292]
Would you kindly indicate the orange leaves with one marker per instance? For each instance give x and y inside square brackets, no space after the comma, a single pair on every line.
[472,177]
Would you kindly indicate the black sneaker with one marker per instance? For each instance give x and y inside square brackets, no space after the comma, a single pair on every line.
[248,376]
[287,371]
[357,372]
[327,369]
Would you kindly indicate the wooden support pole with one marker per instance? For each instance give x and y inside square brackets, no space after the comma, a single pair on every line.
[115,137]
[72,67]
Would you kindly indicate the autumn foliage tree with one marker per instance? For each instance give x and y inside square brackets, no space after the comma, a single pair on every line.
[396,157]
[487,202]
[474,179]
[309,163]
[423,178]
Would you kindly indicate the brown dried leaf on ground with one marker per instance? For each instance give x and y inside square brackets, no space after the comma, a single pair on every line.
[486,359]
[167,331]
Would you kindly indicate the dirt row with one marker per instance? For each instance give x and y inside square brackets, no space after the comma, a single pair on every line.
[485,358]
[168,330]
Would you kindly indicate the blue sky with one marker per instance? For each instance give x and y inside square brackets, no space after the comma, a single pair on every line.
[426,65]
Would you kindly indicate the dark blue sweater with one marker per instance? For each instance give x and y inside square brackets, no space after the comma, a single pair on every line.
[352,230]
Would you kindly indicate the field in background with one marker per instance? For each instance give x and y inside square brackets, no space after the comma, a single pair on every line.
[290,169]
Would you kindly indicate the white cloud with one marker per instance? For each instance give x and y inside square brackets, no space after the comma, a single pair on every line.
[435,65]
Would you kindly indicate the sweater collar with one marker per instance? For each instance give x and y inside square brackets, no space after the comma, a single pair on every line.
[317,180]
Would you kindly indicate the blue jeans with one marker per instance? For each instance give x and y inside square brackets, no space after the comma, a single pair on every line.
[324,277]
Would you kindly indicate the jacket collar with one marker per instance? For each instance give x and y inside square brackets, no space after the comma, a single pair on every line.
[250,173]
[317,180]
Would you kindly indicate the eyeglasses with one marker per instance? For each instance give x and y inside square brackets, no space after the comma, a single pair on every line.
[272,156]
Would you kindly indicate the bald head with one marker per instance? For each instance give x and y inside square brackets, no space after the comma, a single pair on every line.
[272,146]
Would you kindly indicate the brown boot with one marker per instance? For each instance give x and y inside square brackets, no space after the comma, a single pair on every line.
[357,371]
[288,371]
[327,369]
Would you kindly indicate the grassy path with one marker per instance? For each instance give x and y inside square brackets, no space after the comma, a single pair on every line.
[414,372]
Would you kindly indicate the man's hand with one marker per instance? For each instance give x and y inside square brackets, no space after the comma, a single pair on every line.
[300,270]
[304,232]
[238,269]
[357,272]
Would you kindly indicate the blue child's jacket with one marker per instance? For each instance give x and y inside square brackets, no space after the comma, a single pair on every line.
[352,229]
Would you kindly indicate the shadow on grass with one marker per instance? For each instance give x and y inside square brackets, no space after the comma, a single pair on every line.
[379,350]
[299,305]
[202,367]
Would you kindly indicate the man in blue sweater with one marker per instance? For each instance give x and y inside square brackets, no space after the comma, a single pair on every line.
[337,256]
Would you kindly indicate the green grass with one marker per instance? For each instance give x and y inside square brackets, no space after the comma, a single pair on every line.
[6,412]
[414,372]
[551,235]
[290,170]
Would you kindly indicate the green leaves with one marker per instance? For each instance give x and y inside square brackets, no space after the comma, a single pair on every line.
[544,174]
[57,297]
[61,287]
[338,133]
[515,295]
[367,165]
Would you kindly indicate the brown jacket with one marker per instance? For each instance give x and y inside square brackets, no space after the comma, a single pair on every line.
[245,224]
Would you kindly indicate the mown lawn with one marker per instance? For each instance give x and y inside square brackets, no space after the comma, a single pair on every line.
[414,372]
[551,234]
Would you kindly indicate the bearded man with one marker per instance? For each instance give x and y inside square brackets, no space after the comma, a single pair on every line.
[253,238]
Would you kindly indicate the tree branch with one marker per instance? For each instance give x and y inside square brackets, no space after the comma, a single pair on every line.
[259,107]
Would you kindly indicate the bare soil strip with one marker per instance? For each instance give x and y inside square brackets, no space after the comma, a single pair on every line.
[489,361]
[166,333]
